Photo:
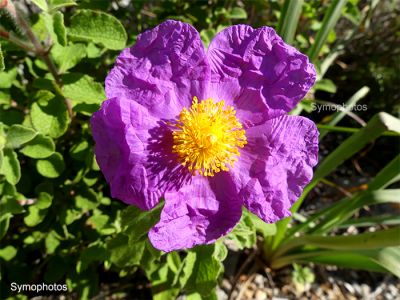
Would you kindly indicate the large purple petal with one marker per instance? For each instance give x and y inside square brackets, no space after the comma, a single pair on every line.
[258,73]
[276,164]
[199,213]
[134,152]
[165,68]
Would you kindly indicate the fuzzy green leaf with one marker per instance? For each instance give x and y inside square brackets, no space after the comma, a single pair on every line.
[207,269]
[40,147]
[123,252]
[98,27]
[10,167]
[51,242]
[82,88]
[59,28]
[19,135]
[51,167]
[57,4]
[35,216]
[244,233]
[69,56]
[49,114]
[8,253]
[42,4]
[7,78]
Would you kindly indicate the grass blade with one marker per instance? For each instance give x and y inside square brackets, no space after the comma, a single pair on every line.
[289,19]
[328,23]
[370,240]
[380,123]
[377,260]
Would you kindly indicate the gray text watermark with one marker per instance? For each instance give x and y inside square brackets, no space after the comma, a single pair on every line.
[338,107]
[38,287]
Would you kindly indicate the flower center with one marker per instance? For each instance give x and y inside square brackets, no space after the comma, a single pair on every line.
[207,137]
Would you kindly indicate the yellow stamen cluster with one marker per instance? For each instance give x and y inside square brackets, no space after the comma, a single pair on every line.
[207,137]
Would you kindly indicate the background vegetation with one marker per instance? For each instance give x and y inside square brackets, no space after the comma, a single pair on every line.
[57,221]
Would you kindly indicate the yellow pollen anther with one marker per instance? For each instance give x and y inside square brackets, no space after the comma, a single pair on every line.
[207,137]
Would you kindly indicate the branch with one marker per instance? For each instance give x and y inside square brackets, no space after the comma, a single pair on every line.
[39,50]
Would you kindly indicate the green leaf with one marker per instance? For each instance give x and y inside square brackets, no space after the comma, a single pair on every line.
[85,284]
[127,248]
[98,221]
[91,254]
[185,270]
[35,216]
[10,204]
[51,242]
[86,199]
[302,275]
[7,78]
[207,269]
[69,216]
[161,284]
[42,4]
[57,4]
[123,252]
[51,167]
[2,66]
[137,223]
[237,13]
[69,56]
[80,150]
[93,51]
[59,28]
[325,85]
[82,88]
[18,135]
[49,114]
[244,233]
[98,27]
[44,200]
[173,261]
[289,19]
[265,229]
[4,224]
[10,167]
[40,147]
[8,253]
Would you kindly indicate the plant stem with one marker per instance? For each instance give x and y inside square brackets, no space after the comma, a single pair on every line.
[27,47]
[39,50]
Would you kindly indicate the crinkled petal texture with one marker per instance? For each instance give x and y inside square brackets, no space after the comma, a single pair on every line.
[134,152]
[165,68]
[254,70]
[151,82]
[199,213]
[276,164]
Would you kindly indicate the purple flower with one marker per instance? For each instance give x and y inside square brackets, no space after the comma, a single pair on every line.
[206,130]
